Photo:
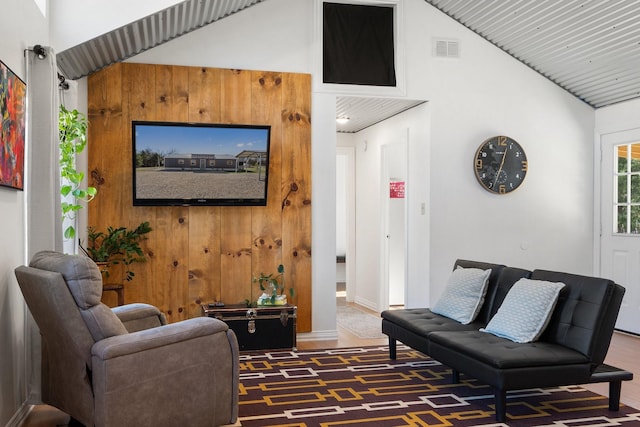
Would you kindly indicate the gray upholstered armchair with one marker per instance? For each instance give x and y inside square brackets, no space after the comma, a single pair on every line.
[125,366]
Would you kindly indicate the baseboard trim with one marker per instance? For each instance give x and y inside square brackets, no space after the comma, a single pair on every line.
[21,415]
[317,336]
[366,304]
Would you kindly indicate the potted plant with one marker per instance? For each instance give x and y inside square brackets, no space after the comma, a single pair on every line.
[72,129]
[117,246]
[273,288]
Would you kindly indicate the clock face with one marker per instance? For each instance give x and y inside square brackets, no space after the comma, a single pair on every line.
[500,164]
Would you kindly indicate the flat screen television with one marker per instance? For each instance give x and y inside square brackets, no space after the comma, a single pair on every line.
[200,164]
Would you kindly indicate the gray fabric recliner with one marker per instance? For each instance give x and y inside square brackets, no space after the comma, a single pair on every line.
[125,366]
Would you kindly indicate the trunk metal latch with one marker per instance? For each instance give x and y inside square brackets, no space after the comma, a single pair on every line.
[251,315]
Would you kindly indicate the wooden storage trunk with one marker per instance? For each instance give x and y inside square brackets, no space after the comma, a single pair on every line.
[258,328]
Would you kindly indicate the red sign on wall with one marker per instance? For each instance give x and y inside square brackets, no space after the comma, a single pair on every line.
[396,190]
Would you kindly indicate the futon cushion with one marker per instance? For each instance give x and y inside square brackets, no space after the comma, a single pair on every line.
[525,311]
[422,321]
[500,353]
[464,294]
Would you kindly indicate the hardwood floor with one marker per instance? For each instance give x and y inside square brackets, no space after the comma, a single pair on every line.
[622,353]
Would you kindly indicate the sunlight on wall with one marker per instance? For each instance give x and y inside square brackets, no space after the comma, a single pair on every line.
[42,5]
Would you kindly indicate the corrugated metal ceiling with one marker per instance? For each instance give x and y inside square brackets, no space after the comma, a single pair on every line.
[145,33]
[364,112]
[589,47]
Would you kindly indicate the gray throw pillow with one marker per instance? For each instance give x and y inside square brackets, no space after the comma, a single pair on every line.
[464,295]
[525,311]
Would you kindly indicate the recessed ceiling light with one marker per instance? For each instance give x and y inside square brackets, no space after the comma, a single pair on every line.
[343,120]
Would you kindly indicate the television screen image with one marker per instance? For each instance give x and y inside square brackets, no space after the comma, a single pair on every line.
[199,164]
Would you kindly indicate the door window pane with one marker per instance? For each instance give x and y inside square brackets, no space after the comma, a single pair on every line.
[622,158]
[634,224]
[622,189]
[635,188]
[627,189]
[622,219]
[635,157]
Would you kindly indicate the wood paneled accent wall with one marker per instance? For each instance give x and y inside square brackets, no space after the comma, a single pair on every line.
[204,254]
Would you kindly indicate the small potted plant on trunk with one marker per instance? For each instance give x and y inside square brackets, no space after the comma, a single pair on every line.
[273,288]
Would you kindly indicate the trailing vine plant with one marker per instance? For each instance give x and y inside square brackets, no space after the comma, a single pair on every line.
[72,127]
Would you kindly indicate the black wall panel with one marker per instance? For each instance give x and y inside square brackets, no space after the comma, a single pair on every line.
[358,44]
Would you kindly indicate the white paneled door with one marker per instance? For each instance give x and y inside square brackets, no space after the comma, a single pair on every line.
[394,173]
[620,221]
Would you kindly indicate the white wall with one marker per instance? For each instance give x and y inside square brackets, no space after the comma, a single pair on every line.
[618,117]
[76,21]
[22,27]
[273,35]
[341,204]
[342,210]
[483,93]
[346,213]
[546,223]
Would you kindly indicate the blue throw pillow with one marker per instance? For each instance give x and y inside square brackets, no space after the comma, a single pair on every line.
[464,294]
[525,311]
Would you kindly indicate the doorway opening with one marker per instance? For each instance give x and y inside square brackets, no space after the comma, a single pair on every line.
[345,222]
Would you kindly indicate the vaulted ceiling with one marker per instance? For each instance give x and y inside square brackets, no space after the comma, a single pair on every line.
[591,48]
[143,34]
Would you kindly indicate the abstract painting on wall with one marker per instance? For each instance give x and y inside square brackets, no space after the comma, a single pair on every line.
[12,132]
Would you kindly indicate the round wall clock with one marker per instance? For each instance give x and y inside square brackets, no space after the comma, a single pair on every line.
[500,164]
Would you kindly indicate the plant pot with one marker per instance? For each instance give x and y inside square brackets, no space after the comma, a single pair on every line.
[103,266]
[266,300]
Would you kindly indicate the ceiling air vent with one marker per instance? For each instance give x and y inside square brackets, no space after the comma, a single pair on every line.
[446,48]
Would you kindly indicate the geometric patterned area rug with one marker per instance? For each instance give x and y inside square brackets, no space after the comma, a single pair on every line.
[363,387]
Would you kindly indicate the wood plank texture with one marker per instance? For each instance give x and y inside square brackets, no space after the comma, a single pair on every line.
[266,91]
[205,254]
[296,187]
